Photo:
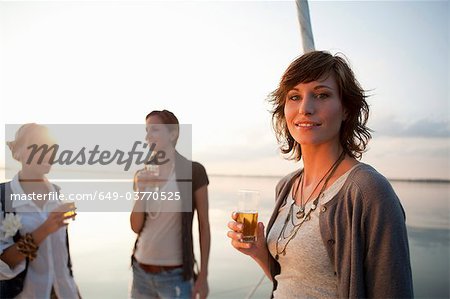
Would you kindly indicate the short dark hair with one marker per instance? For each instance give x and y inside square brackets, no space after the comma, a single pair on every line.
[316,65]
[169,119]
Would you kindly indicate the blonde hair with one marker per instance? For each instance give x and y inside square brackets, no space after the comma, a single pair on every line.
[21,138]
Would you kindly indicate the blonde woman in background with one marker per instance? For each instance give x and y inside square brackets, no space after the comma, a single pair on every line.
[35,260]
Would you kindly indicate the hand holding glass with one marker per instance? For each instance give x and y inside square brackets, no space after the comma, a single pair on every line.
[147,178]
[69,210]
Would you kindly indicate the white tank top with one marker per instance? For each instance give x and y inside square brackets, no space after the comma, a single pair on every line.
[160,240]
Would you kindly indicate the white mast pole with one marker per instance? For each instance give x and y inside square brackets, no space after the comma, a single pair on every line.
[305,25]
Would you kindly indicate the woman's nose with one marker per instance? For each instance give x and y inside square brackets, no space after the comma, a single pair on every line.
[306,106]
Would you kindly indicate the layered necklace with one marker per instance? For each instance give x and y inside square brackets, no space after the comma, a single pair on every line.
[301,214]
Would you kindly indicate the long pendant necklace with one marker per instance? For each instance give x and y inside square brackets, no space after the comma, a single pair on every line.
[154,210]
[301,213]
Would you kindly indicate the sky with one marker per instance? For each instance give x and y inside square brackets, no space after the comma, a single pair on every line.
[214,63]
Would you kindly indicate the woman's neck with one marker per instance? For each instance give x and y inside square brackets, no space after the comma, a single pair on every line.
[170,154]
[170,158]
[33,183]
[28,175]
[317,160]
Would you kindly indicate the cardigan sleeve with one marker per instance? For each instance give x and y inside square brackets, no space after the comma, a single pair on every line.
[386,260]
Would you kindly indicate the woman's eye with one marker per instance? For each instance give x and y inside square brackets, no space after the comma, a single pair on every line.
[294,98]
[321,96]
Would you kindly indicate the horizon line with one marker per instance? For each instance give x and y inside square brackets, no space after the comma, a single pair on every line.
[407,180]
[410,180]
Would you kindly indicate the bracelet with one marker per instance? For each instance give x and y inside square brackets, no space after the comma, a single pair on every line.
[27,247]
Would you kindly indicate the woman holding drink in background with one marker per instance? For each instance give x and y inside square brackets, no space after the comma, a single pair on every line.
[34,248]
[338,228]
[163,258]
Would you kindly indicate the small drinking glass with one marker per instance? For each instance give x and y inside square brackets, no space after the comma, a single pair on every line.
[70,208]
[153,170]
[247,214]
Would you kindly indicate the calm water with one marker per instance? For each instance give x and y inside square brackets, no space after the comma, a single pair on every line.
[101,243]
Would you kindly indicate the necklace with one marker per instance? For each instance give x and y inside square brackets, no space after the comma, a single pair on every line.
[305,216]
[301,211]
[155,214]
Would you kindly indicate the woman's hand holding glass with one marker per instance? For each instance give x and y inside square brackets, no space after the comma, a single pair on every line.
[148,179]
[257,249]
[58,217]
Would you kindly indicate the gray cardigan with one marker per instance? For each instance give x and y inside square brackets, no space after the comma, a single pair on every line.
[364,232]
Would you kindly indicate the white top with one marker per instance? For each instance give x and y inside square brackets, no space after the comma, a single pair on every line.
[306,269]
[159,242]
[50,266]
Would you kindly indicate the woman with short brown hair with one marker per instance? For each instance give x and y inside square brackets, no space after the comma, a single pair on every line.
[338,228]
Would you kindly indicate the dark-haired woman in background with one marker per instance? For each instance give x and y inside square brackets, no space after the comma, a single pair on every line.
[163,259]
[338,228]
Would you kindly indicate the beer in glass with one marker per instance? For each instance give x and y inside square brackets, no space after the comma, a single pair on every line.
[247,214]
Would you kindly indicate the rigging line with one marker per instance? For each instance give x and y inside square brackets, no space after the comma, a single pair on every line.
[252,292]
[212,294]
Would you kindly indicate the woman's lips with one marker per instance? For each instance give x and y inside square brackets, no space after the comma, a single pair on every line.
[307,124]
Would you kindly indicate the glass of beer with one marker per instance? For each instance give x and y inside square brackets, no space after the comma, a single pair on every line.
[72,210]
[247,214]
[153,170]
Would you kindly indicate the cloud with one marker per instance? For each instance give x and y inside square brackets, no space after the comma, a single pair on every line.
[425,128]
